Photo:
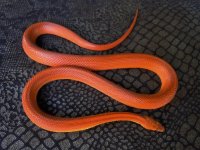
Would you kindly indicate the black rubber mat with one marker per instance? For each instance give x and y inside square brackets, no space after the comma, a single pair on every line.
[167,29]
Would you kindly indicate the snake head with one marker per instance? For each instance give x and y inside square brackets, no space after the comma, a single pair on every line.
[152,124]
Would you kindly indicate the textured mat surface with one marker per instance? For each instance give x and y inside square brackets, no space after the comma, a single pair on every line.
[167,29]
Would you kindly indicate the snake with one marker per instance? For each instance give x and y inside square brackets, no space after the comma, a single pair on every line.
[82,68]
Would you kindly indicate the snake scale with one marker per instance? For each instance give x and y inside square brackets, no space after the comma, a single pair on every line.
[80,68]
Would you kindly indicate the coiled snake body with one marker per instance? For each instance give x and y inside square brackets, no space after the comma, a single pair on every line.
[77,67]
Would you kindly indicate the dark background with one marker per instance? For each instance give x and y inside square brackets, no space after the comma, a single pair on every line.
[167,29]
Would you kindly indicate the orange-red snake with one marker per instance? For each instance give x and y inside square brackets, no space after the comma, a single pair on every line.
[79,68]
